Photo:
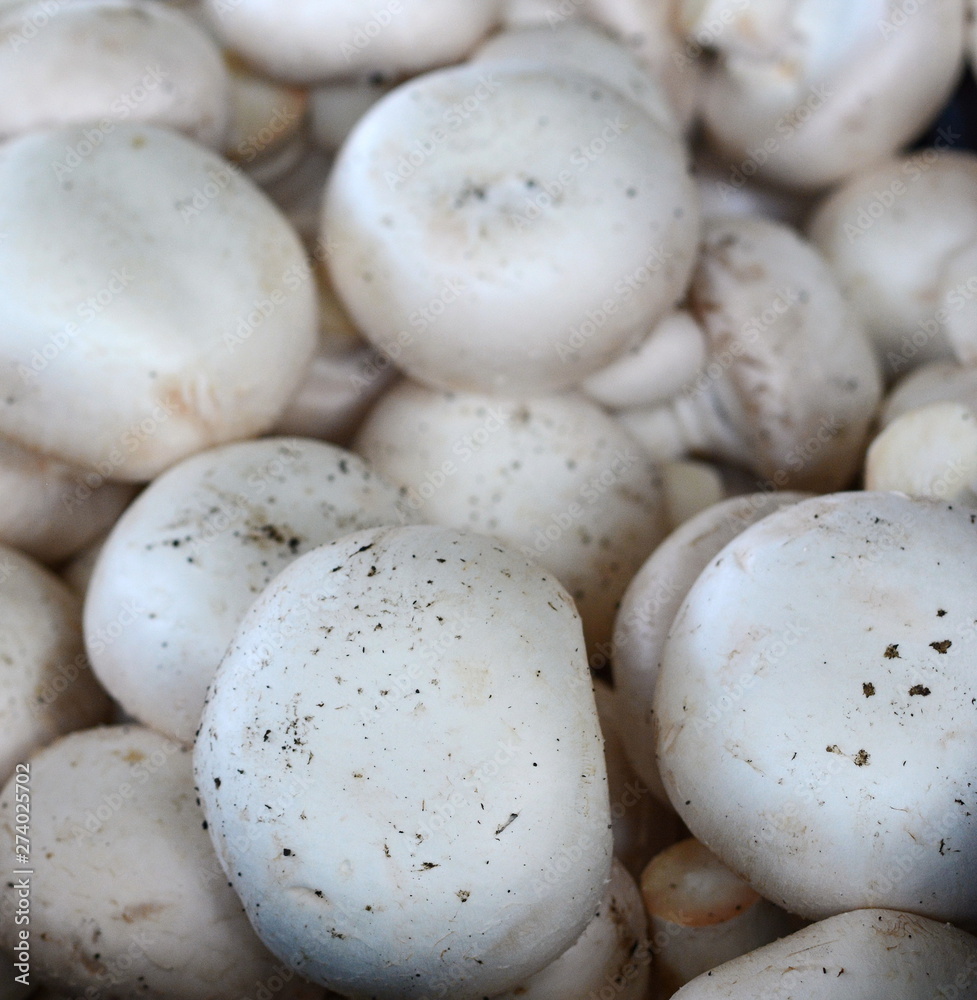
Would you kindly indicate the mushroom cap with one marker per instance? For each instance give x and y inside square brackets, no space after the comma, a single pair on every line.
[153,277]
[52,510]
[510,230]
[888,234]
[308,41]
[126,895]
[187,559]
[859,955]
[428,692]
[849,84]
[819,735]
[928,452]
[555,476]
[936,382]
[46,686]
[103,62]
[649,606]
[791,368]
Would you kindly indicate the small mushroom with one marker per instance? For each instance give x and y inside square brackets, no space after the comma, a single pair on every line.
[937,382]
[854,956]
[823,89]
[649,606]
[125,895]
[929,452]
[890,235]
[165,287]
[104,62]
[791,385]
[554,476]
[308,42]
[46,686]
[185,561]
[815,706]
[466,862]
[701,915]
[508,230]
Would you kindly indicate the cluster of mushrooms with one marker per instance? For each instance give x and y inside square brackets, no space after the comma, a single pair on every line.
[490,500]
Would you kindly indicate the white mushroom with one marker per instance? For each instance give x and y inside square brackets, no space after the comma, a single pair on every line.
[649,606]
[153,278]
[611,955]
[815,706]
[497,248]
[791,384]
[430,691]
[189,556]
[889,234]
[854,956]
[701,915]
[50,509]
[125,896]
[103,62]
[46,686]
[929,452]
[307,41]
[555,476]
[823,89]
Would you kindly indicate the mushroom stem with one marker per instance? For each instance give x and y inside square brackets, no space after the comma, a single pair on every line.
[701,915]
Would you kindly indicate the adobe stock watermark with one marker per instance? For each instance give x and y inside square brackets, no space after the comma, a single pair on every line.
[22,872]
[35,18]
[362,37]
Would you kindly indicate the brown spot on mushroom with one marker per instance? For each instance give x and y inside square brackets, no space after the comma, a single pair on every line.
[941,647]
[892,651]
[142,911]
[861,758]
[868,689]
[919,689]
[134,756]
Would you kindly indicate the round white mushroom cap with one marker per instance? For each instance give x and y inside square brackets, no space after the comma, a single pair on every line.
[815,707]
[428,692]
[861,955]
[833,86]
[554,475]
[936,382]
[889,235]
[103,62]
[927,452]
[46,686]
[126,895]
[149,276]
[195,549]
[509,230]
[308,41]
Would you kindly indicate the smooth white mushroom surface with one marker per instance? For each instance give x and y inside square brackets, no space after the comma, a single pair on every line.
[46,686]
[152,304]
[197,547]
[488,248]
[791,383]
[810,91]
[126,897]
[891,234]
[815,708]
[861,955]
[937,382]
[928,452]
[554,476]
[103,62]
[428,691]
[52,510]
[307,41]
[648,608]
